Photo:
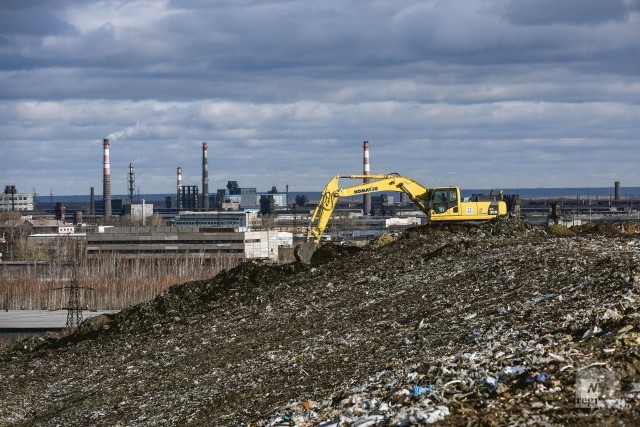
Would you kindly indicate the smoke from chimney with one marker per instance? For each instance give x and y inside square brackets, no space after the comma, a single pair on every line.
[106,191]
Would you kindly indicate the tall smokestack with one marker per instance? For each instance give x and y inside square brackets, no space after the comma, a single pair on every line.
[616,194]
[205,177]
[366,199]
[132,181]
[92,202]
[106,191]
[178,201]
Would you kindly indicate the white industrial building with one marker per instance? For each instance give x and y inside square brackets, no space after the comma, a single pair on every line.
[135,242]
[139,210]
[17,202]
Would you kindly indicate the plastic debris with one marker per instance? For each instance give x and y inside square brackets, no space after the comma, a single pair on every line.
[513,370]
[419,391]
[538,378]
[543,297]
[595,331]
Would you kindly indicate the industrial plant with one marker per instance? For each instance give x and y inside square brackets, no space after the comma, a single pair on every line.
[244,222]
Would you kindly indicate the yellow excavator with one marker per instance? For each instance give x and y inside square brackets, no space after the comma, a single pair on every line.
[441,204]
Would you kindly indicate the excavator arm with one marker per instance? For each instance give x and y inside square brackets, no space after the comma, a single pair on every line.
[441,204]
[377,183]
[333,192]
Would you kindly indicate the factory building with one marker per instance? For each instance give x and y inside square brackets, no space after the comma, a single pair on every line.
[53,242]
[189,197]
[276,199]
[50,226]
[382,204]
[135,242]
[139,210]
[11,200]
[236,220]
[235,197]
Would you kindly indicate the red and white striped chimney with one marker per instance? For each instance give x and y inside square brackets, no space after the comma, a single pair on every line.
[366,199]
[178,200]
[205,177]
[106,181]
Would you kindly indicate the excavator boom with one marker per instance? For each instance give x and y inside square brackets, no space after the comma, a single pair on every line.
[442,204]
[377,183]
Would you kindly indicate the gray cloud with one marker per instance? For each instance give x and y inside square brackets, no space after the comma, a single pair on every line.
[34,18]
[542,12]
[543,88]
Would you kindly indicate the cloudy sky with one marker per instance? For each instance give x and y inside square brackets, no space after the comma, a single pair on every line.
[476,93]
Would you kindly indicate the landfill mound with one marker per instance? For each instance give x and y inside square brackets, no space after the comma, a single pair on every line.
[494,324]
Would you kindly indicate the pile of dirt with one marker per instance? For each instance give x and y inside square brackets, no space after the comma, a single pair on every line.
[330,251]
[494,324]
[610,229]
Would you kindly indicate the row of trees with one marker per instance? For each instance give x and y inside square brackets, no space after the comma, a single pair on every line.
[110,282]
[115,281]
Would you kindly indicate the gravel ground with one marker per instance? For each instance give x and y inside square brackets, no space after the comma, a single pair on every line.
[498,324]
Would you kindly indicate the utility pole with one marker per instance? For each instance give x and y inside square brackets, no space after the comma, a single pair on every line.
[74,309]
[74,304]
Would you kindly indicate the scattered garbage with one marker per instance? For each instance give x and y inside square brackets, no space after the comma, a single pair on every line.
[477,324]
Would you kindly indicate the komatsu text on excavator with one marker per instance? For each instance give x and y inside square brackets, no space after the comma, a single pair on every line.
[441,204]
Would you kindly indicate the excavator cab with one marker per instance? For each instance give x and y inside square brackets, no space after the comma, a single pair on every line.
[446,204]
[445,201]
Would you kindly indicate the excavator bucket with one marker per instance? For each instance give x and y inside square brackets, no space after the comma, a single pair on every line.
[304,251]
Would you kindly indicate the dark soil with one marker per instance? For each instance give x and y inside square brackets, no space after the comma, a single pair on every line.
[460,325]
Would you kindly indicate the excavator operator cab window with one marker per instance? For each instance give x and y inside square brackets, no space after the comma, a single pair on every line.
[443,199]
[440,200]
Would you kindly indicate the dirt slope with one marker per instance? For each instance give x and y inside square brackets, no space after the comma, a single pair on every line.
[456,325]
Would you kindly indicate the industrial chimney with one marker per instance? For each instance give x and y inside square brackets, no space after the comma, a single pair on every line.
[106,191]
[616,189]
[366,199]
[132,182]
[205,177]
[178,201]
[60,211]
[92,203]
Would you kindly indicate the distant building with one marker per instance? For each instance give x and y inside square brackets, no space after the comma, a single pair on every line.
[139,210]
[239,221]
[17,202]
[189,197]
[52,235]
[52,240]
[234,195]
[382,204]
[117,207]
[285,239]
[279,198]
[145,242]
[51,226]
